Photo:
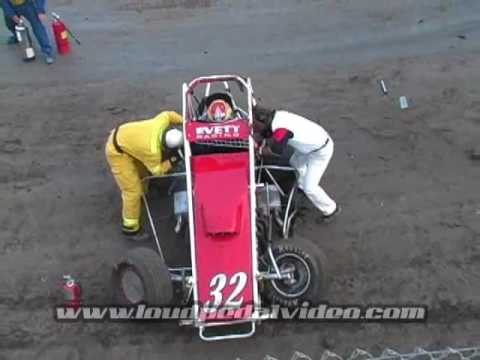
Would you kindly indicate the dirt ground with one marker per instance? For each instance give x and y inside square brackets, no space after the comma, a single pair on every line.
[410,229]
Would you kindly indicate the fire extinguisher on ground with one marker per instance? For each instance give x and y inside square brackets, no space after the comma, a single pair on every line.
[61,35]
[72,292]
[22,32]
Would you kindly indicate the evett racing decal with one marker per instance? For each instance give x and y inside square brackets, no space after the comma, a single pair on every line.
[234,130]
[217,132]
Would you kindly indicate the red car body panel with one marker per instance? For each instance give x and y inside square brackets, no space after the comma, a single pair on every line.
[223,234]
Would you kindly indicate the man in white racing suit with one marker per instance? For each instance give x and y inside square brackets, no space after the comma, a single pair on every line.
[313,149]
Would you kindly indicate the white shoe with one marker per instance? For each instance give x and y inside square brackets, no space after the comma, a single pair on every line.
[49,60]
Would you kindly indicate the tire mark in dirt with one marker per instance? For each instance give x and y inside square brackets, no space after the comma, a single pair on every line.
[13,146]
[140,5]
[24,181]
[81,348]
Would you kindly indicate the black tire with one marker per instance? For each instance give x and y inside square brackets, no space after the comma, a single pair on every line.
[142,277]
[310,274]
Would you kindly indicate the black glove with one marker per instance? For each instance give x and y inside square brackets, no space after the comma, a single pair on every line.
[177,164]
[174,160]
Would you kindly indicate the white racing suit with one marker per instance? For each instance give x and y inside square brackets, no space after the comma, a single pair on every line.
[313,151]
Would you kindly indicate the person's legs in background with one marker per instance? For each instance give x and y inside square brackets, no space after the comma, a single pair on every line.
[30,13]
[10,25]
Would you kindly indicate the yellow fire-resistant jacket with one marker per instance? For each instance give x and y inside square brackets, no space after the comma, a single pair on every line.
[143,140]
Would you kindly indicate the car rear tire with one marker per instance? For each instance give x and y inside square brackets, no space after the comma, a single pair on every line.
[307,264]
[142,276]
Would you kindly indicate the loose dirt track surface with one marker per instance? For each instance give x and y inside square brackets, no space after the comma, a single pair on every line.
[410,230]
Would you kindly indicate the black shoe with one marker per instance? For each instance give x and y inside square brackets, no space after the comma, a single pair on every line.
[137,235]
[328,218]
[130,230]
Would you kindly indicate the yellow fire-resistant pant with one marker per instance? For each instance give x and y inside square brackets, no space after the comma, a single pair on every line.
[128,173]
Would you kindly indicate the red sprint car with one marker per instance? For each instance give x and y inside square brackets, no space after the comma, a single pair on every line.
[237,216]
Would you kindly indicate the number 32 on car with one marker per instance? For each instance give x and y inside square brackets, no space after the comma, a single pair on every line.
[221,282]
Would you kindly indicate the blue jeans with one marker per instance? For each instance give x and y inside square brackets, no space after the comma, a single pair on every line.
[29,12]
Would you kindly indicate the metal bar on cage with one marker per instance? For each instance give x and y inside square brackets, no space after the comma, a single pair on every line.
[267,171]
[152,225]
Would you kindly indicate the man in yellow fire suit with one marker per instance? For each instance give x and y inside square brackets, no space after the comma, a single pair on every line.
[134,150]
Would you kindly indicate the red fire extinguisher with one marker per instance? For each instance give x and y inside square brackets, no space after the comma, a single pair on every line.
[61,36]
[72,292]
